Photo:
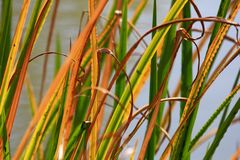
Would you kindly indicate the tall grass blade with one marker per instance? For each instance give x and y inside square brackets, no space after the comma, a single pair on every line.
[94,83]
[120,83]
[186,74]
[226,109]
[58,60]
[153,88]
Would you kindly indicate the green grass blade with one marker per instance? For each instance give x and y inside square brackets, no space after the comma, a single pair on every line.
[222,12]
[163,69]
[58,57]
[153,88]
[186,77]
[203,130]
[226,108]
[120,83]
[222,130]
[82,102]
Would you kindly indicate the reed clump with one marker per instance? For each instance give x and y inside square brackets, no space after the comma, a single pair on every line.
[97,74]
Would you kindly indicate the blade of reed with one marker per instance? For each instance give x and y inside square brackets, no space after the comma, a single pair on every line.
[120,83]
[142,65]
[186,75]
[5,35]
[226,109]
[79,142]
[163,69]
[222,12]
[225,103]
[222,130]
[58,60]
[153,89]
[196,88]
[94,83]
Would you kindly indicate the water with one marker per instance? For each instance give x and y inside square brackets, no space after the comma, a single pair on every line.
[67,25]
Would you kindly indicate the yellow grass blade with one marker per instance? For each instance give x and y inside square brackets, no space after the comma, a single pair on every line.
[94,80]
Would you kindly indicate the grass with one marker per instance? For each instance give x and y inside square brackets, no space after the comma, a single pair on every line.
[70,122]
